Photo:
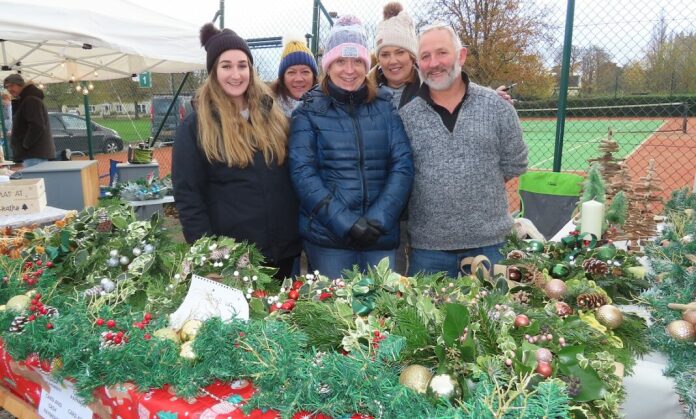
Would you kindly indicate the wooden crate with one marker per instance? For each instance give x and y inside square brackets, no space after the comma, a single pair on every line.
[24,196]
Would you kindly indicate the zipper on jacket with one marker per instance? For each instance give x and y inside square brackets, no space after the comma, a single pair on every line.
[361,152]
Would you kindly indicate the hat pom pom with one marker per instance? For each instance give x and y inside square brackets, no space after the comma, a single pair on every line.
[208,31]
[392,9]
[293,38]
[348,20]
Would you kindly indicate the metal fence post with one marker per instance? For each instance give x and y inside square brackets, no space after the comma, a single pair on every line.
[88,120]
[315,27]
[6,140]
[563,89]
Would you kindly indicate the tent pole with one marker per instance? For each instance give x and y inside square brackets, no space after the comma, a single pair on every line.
[88,119]
[169,110]
[6,140]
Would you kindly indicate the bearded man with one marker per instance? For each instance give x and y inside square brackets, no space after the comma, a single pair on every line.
[466,144]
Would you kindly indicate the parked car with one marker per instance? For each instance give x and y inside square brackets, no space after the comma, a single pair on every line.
[70,132]
[158,109]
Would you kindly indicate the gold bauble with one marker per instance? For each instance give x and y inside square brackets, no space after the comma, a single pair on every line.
[416,377]
[187,350]
[610,316]
[443,386]
[681,330]
[690,316]
[555,289]
[167,333]
[190,329]
[18,303]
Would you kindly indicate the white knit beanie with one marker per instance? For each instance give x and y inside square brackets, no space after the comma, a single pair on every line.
[396,30]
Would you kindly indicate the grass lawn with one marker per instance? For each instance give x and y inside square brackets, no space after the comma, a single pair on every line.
[131,130]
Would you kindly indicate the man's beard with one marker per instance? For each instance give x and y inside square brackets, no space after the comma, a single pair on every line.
[447,82]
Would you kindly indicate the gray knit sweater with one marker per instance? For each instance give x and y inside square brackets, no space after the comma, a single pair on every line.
[458,199]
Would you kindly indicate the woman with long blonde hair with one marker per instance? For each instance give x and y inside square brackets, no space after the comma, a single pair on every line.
[229,165]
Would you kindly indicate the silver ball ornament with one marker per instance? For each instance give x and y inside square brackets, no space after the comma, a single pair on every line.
[124,260]
[113,253]
[112,263]
[148,248]
[137,252]
[107,285]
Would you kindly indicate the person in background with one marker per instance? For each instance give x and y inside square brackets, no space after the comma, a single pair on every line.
[466,144]
[297,74]
[7,112]
[31,138]
[350,160]
[396,48]
[229,167]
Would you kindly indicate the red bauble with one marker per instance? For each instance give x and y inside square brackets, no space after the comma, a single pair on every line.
[288,305]
[294,294]
[544,369]
[259,294]
[297,285]
[521,320]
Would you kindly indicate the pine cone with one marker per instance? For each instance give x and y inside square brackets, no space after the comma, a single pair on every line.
[243,261]
[516,254]
[51,311]
[573,384]
[595,266]
[563,310]
[591,300]
[18,324]
[217,254]
[105,226]
[521,297]
[92,292]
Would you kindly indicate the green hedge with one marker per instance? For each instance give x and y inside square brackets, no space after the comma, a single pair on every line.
[548,107]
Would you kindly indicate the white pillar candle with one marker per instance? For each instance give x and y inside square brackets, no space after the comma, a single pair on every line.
[591,218]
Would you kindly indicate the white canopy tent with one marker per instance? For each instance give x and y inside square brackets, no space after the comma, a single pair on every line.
[59,41]
[50,41]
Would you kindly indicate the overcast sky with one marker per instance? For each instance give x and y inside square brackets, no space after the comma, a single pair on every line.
[622,27]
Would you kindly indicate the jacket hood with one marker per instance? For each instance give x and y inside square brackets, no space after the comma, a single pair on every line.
[31,90]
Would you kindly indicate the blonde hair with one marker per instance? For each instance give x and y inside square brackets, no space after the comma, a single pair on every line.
[369,82]
[226,137]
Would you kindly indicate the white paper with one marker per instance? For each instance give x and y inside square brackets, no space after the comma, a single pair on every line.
[207,298]
[60,402]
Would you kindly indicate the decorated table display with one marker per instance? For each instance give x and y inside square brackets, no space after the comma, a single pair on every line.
[672,299]
[91,301]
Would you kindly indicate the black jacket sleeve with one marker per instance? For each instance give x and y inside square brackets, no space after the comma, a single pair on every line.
[37,127]
[190,181]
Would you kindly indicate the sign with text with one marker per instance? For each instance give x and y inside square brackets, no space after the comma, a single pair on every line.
[61,402]
[207,298]
[145,80]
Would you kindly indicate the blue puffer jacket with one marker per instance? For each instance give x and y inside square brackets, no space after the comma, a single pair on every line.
[349,159]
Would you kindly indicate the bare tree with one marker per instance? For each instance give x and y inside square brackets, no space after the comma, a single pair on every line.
[505,39]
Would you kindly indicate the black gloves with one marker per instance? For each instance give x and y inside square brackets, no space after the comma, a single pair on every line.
[364,233]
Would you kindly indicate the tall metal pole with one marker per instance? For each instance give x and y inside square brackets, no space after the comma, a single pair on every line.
[222,14]
[563,93]
[315,27]
[6,140]
[88,120]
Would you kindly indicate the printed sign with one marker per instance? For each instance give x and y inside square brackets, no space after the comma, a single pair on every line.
[207,298]
[61,402]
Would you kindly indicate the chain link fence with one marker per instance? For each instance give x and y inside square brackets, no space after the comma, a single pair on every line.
[631,71]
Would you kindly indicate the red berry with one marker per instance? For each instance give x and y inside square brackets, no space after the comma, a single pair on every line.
[376,333]
[39,263]
[297,285]
[294,294]
[49,264]
[111,324]
[259,294]
[242,334]
[32,307]
[100,322]
[120,334]
[49,326]
[147,317]
[31,318]
[324,295]
[109,336]
[147,336]
[25,277]
[117,339]
[43,310]
[37,296]
[39,272]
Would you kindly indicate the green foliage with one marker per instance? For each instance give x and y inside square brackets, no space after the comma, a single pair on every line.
[593,186]
[618,209]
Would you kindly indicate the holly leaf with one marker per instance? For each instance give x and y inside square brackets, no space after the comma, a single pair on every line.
[591,386]
[456,320]
[119,222]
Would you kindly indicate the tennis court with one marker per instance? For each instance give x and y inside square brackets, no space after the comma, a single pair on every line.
[582,137]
